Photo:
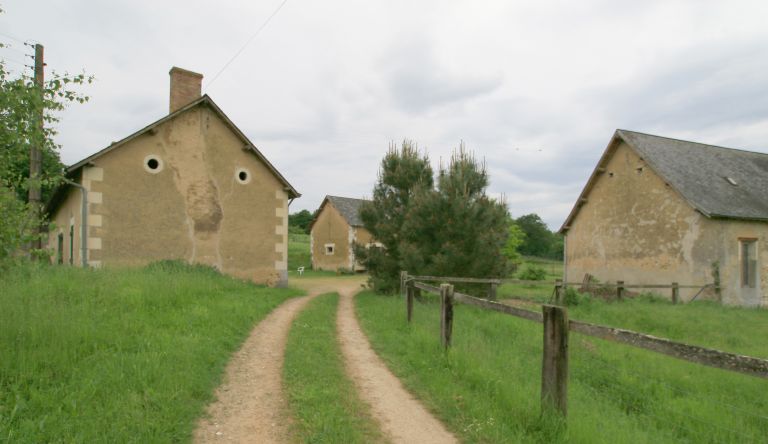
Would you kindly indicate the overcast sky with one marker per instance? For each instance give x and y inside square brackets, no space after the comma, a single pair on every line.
[536,88]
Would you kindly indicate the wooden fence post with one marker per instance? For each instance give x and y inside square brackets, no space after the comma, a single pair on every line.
[554,368]
[403,279]
[675,292]
[619,290]
[559,291]
[492,291]
[446,314]
[409,301]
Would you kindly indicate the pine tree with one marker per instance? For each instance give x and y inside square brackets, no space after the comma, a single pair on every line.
[403,173]
[456,229]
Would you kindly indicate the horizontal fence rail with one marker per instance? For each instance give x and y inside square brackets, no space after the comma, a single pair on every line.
[600,285]
[691,353]
[496,306]
[456,279]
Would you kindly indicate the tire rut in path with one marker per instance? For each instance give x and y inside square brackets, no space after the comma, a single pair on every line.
[401,417]
[250,405]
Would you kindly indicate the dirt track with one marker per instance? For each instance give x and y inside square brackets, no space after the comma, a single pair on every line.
[401,417]
[250,405]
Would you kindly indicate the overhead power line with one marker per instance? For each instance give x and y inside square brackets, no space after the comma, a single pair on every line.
[263,25]
[12,37]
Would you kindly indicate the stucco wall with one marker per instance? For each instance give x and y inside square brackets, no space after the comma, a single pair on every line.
[192,207]
[728,234]
[637,229]
[67,215]
[330,228]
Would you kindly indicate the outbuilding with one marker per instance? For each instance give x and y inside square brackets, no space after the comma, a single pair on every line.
[658,210]
[335,228]
[189,186]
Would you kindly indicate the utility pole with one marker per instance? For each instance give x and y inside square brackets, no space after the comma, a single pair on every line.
[35,152]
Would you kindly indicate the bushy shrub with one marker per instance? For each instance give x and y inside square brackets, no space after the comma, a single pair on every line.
[572,297]
[16,227]
[531,272]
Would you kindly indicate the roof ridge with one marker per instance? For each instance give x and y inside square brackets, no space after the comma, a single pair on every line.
[691,141]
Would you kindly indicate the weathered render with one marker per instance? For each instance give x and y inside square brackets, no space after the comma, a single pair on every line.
[189,186]
[659,210]
[334,230]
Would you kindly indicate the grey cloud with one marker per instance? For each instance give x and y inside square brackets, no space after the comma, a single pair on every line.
[418,81]
[700,88]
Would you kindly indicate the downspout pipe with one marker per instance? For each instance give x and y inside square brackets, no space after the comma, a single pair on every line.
[565,257]
[83,222]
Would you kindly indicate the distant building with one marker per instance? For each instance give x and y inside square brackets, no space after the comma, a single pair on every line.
[188,186]
[333,231]
[658,210]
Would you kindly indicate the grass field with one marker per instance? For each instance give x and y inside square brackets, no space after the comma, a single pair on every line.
[324,402]
[535,292]
[487,387]
[117,355]
[298,252]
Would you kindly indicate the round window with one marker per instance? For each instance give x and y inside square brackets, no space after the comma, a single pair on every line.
[243,175]
[153,164]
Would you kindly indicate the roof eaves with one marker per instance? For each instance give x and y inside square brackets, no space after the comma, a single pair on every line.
[206,99]
[317,213]
[123,141]
[288,187]
[599,168]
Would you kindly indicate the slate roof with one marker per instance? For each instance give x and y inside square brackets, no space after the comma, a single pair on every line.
[718,182]
[349,209]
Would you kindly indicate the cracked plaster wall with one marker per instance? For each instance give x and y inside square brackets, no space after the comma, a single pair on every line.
[636,228]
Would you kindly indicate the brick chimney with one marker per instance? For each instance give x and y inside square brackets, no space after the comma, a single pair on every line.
[186,86]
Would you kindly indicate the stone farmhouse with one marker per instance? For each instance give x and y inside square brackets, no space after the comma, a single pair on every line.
[658,210]
[188,186]
[334,229]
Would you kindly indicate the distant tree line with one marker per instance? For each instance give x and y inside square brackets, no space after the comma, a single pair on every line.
[299,222]
[538,240]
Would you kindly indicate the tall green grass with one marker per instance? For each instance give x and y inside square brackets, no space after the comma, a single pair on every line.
[117,355]
[323,400]
[487,387]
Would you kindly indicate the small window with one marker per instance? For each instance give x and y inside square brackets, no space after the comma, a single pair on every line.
[153,164]
[748,263]
[243,175]
[329,249]
[71,244]
[60,249]
[610,174]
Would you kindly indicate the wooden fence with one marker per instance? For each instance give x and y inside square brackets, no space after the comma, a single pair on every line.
[554,370]
[619,287]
